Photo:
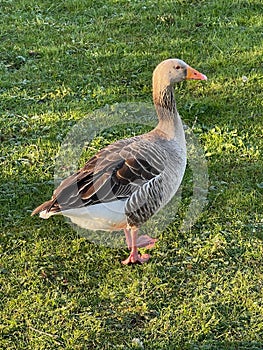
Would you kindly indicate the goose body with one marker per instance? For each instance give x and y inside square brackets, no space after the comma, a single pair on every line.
[129,181]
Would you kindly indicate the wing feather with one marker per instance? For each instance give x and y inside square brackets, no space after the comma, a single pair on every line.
[115,172]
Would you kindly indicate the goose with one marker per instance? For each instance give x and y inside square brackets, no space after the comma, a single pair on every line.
[130,180]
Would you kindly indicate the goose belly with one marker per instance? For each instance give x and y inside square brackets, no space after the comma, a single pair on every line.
[103,216]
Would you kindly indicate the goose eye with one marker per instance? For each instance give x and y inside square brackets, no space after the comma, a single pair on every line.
[177,67]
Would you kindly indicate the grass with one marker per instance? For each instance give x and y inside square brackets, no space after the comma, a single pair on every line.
[202,289]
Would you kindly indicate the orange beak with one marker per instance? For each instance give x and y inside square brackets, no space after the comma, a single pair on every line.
[191,73]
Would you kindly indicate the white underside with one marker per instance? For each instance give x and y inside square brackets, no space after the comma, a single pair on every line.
[104,216]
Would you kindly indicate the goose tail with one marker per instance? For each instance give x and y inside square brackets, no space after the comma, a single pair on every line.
[45,210]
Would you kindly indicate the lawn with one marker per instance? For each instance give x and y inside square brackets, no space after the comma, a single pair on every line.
[203,287]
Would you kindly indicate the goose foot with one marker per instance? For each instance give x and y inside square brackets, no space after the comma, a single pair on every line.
[134,242]
[136,258]
[143,241]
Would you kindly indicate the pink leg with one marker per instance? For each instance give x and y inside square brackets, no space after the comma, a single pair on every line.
[127,232]
[134,256]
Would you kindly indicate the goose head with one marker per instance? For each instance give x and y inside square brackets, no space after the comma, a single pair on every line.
[165,76]
[174,70]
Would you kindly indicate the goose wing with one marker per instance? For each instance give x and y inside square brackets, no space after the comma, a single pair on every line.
[115,172]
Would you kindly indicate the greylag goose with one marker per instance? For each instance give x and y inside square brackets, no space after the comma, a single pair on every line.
[129,181]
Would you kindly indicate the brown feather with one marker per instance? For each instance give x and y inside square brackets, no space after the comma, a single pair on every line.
[44,206]
[115,172]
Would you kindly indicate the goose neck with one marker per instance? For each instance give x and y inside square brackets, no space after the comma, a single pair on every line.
[169,120]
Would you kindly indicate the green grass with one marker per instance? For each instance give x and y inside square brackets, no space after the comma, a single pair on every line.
[202,289]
